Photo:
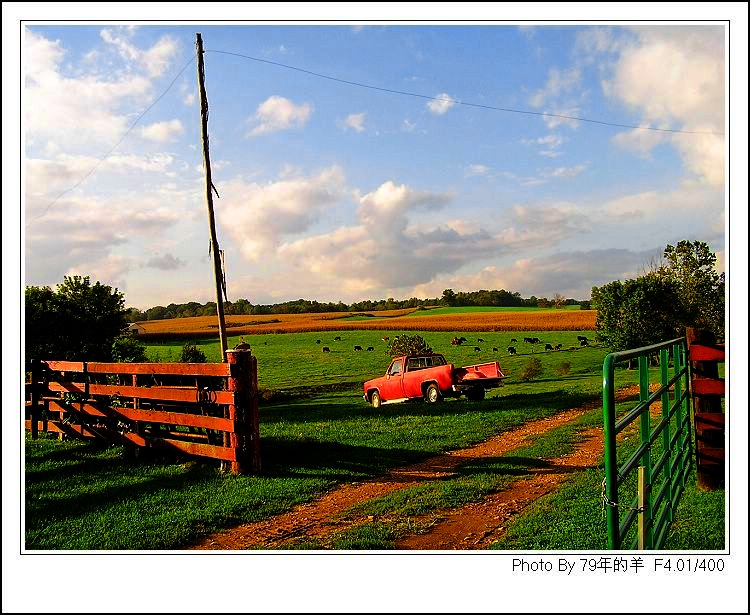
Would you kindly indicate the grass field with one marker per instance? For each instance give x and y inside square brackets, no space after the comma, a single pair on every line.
[83,496]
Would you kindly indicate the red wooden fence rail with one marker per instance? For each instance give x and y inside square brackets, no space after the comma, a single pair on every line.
[204,409]
[707,390]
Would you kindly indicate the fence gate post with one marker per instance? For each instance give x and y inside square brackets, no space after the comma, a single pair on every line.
[245,439]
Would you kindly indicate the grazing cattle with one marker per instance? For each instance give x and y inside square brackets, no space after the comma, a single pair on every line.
[511,350]
[326,349]
[477,349]
[584,343]
[337,338]
[317,342]
[548,346]
[358,348]
[386,338]
[456,341]
[583,338]
[370,348]
[463,339]
[558,347]
[480,339]
[494,350]
[513,340]
[528,340]
[534,340]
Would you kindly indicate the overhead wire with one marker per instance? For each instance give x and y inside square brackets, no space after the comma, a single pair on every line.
[461,102]
[116,145]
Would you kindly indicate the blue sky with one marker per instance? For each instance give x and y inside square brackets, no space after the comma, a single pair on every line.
[331,191]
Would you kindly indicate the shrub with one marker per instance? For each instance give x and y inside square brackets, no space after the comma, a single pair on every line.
[533,369]
[409,345]
[192,354]
[564,368]
[126,349]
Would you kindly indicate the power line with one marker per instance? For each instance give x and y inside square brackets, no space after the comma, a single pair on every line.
[114,147]
[460,102]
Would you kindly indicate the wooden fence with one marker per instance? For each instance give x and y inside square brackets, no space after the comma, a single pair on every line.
[707,391]
[204,409]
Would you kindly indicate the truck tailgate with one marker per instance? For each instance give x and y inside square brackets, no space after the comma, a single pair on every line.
[484,371]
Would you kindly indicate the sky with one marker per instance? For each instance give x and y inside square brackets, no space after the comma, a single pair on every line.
[332,191]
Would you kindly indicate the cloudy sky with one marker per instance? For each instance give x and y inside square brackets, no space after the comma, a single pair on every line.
[332,191]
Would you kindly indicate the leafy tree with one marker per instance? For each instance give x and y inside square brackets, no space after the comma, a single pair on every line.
[692,266]
[409,345]
[127,349]
[77,322]
[192,354]
[533,369]
[559,301]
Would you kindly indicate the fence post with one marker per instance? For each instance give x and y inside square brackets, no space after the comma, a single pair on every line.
[643,375]
[245,439]
[34,398]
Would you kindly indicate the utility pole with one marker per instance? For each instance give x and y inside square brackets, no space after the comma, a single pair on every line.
[218,275]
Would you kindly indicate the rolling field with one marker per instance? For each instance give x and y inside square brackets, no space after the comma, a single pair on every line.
[462,320]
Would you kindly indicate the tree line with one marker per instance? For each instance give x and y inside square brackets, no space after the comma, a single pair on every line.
[483,298]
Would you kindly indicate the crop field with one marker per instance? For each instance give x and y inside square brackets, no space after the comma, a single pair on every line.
[440,319]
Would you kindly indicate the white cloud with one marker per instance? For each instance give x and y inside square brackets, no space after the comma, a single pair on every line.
[675,77]
[408,126]
[155,60]
[441,105]
[568,171]
[476,169]
[163,131]
[259,217]
[355,121]
[165,262]
[279,113]
[559,82]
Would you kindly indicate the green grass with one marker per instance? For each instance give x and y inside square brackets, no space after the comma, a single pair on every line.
[82,496]
[438,311]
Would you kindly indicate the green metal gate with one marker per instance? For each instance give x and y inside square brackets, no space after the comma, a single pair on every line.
[647,485]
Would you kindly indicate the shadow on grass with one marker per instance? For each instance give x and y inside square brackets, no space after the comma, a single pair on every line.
[337,409]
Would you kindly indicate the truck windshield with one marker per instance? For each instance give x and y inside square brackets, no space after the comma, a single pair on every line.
[415,363]
[395,368]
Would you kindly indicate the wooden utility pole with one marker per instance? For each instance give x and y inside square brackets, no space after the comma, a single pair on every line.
[218,275]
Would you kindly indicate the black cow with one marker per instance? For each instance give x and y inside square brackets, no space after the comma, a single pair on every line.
[583,338]
[584,343]
[370,348]
[494,350]
[337,338]
[558,347]
[477,349]
[528,340]
[317,342]
[326,349]
[513,340]
[480,339]
[548,346]
[358,348]
[511,350]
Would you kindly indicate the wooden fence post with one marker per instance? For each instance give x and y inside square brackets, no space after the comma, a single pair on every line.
[35,414]
[243,382]
[709,424]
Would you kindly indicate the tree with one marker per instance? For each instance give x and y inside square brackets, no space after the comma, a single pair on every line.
[409,345]
[692,266]
[77,322]
[637,312]
[192,354]
[559,301]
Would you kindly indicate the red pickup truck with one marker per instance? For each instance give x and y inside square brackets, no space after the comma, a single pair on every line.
[431,378]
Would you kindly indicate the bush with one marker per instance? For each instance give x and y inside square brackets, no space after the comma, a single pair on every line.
[408,345]
[126,349]
[192,354]
[564,368]
[533,369]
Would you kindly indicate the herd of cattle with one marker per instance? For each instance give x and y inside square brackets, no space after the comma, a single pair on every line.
[458,341]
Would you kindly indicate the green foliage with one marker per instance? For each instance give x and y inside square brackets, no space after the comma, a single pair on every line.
[127,349]
[638,312]
[533,369]
[692,266]
[77,322]
[409,345]
[686,291]
[192,354]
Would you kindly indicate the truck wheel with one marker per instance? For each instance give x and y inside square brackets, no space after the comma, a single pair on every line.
[375,399]
[432,394]
[475,394]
